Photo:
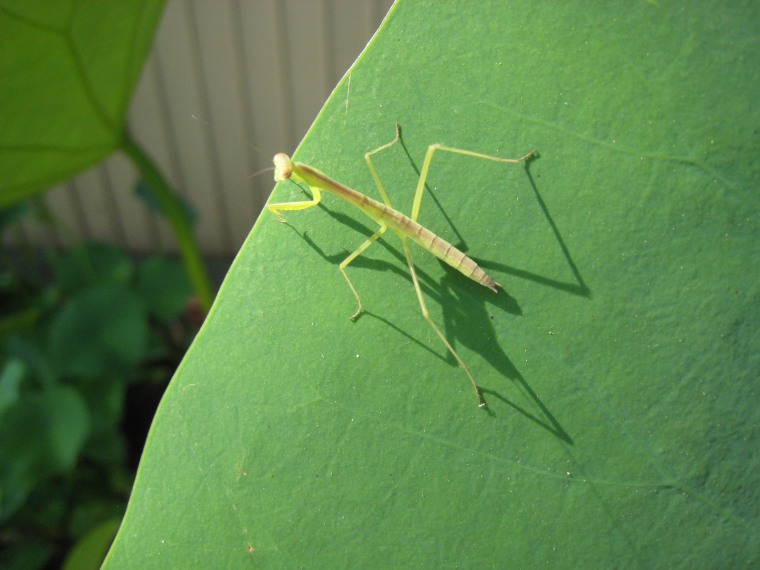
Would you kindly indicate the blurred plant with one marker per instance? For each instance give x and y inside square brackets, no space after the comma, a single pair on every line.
[81,336]
[86,333]
[69,72]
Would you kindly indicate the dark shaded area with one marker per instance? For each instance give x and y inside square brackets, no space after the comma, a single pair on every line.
[99,330]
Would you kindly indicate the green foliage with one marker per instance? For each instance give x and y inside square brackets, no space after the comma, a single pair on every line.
[620,362]
[92,548]
[97,330]
[72,353]
[69,70]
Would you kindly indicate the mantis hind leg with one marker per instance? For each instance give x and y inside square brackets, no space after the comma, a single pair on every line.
[353,256]
[420,191]
[375,177]
[426,315]
[429,157]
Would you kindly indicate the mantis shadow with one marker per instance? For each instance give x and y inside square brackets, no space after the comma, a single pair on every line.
[466,319]
[466,315]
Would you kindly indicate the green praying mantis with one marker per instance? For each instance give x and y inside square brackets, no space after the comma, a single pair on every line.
[406,227]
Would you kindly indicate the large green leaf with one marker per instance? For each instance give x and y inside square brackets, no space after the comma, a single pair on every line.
[67,73]
[620,362]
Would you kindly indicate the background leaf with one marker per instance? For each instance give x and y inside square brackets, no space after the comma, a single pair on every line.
[100,331]
[164,286]
[620,362]
[68,71]
[90,550]
[41,435]
[88,264]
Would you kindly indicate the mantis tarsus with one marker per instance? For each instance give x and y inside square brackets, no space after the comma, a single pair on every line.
[387,217]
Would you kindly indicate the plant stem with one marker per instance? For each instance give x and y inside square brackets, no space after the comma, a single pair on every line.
[181,225]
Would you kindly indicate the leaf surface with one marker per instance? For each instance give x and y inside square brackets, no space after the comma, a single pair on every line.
[619,363]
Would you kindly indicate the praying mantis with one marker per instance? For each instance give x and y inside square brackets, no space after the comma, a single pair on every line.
[406,227]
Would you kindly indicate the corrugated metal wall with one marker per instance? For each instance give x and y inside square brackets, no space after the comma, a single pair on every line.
[251,72]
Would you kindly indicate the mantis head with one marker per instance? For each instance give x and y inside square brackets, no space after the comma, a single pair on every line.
[283,167]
